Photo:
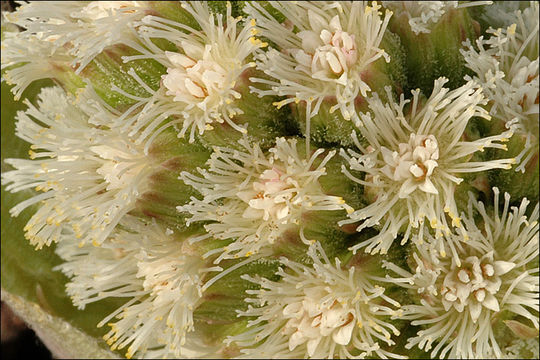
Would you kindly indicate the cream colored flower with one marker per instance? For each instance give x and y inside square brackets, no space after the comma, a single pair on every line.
[318,311]
[322,51]
[198,89]
[252,197]
[460,299]
[413,160]
[90,175]
[506,67]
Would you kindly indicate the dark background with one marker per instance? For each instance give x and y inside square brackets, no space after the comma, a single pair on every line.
[17,340]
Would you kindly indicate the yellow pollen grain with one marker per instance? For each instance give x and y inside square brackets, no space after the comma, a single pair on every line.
[253,22]
[279,104]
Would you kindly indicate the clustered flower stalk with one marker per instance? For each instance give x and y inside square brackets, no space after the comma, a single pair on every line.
[286,179]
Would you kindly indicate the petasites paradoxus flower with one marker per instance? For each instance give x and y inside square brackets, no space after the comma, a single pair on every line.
[254,179]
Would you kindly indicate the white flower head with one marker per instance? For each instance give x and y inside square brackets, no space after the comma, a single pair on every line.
[162,280]
[252,197]
[506,67]
[318,311]
[423,15]
[199,86]
[496,271]
[99,272]
[81,28]
[27,58]
[414,161]
[90,175]
[323,48]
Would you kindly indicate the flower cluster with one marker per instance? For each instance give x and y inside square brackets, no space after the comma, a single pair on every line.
[322,52]
[149,265]
[506,67]
[496,270]
[202,71]
[276,180]
[89,176]
[412,165]
[253,199]
[320,311]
